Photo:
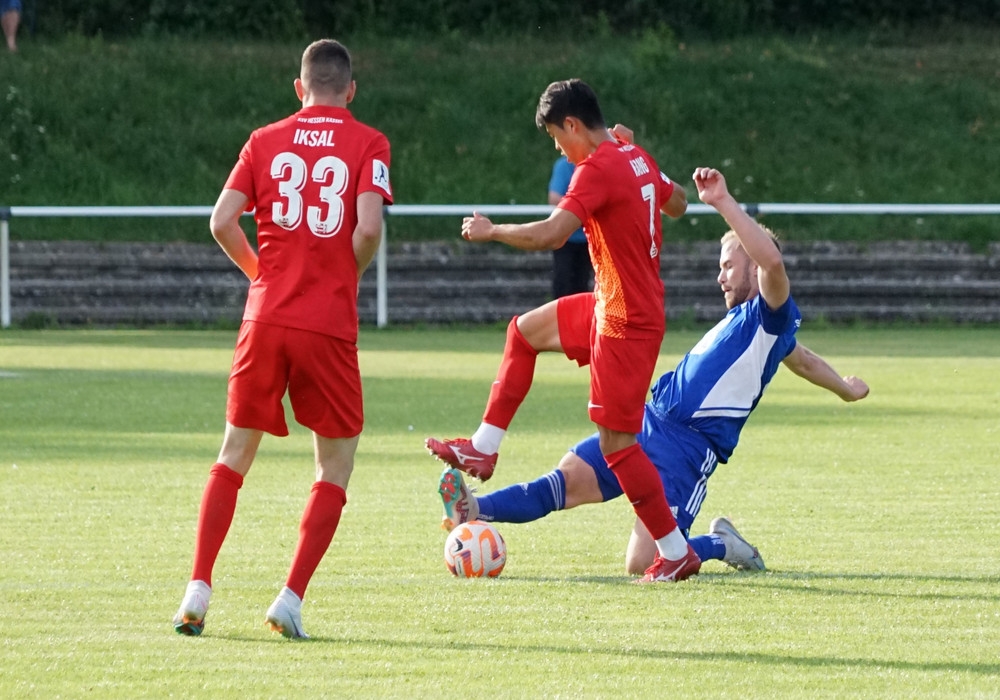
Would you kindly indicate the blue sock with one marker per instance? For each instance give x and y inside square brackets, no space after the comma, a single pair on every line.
[708,547]
[522,503]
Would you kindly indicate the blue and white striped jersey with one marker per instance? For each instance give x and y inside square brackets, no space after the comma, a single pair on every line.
[719,382]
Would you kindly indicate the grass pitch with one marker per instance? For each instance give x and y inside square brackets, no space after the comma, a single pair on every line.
[877,520]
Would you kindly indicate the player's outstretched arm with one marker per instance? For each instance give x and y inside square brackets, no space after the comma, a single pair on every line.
[712,190]
[547,234]
[813,368]
[225,227]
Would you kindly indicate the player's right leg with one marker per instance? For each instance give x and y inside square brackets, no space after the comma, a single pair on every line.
[325,392]
[562,325]
[254,398]
[477,456]
[285,615]
[461,453]
[215,516]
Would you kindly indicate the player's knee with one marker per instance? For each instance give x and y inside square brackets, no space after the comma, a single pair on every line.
[635,564]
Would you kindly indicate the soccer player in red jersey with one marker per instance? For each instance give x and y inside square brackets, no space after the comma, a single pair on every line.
[617,193]
[317,181]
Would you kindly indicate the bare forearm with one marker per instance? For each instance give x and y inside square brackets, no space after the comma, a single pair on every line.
[814,369]
[225,227]
[366,243]
[367,233]
[547,234]
[526,236]
[234,243]
[754,239]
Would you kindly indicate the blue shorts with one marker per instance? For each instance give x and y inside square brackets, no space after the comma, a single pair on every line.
[10,6]
[682,456]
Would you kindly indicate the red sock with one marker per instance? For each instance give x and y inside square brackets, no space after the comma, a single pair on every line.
[319,523]
[641,483]
[218,503]
[513,378]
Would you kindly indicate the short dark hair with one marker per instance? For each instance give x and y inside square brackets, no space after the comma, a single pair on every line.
[569,98]
[326,67]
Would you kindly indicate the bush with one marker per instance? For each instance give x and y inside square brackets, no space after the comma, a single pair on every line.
[288,19]
[271,19]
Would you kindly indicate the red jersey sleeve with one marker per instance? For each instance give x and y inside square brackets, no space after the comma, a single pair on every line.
[374,176]
[666,188]
[586,191]
[241,176]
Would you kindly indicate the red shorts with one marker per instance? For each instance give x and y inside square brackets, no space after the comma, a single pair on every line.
[575,315]
[621,371]
[319,372]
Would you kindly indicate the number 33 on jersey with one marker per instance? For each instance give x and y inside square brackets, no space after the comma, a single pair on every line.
[302,176]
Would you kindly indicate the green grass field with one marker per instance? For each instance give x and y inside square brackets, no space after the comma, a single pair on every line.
[878,522]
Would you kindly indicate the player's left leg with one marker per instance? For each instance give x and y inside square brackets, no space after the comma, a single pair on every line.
[325,393]
[723,543]
[620,374]
[736,551]
[320,519]
[639,480]
[641,551]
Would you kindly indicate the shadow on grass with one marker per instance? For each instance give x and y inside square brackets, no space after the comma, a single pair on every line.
[802,583]
[590,650]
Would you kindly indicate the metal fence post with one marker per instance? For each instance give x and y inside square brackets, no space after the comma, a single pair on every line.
[4,267]
[381,282]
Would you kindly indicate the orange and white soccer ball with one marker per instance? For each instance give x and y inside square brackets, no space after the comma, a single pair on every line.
[475,549]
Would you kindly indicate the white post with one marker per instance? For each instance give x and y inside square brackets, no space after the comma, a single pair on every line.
[4,273]
[381,283]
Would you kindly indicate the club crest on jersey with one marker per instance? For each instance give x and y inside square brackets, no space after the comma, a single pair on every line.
[380,176]
[313,137]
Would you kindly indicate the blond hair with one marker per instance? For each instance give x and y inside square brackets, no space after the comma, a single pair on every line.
[730,235]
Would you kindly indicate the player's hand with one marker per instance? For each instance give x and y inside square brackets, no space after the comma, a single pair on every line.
[711,185]
[859,389]
[623,133]
[476,227]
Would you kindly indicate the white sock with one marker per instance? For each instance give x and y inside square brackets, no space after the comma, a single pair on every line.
[488,438]
[199,588]
[672,545]
[291,598]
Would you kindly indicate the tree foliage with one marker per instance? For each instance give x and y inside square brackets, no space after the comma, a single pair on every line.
[292,19]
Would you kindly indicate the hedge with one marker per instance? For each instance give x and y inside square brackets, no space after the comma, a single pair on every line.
[295,19]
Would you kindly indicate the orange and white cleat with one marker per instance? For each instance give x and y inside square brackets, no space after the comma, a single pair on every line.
[460,506]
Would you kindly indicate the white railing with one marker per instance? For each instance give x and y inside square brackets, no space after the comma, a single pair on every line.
[381,266]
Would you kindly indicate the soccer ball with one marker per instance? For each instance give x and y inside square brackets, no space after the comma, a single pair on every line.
[475,549]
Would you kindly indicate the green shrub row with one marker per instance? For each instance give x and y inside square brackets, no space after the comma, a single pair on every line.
[293,19]
[872,117]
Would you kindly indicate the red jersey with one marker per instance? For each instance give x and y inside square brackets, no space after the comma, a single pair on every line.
[617,192]
[303,175]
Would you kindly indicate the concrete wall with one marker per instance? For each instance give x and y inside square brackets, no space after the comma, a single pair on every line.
[129,283]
